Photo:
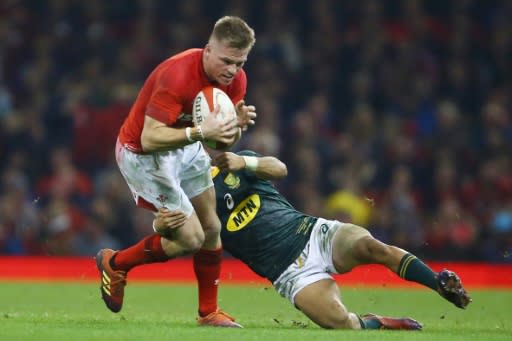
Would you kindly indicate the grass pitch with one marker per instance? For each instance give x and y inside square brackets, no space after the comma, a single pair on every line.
[75,311]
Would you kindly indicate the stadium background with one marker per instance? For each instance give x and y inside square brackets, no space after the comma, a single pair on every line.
[395,115]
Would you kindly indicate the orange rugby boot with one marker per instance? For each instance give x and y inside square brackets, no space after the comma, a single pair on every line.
[112,282]
[218,318]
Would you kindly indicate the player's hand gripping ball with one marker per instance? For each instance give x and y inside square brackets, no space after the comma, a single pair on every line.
[204,104]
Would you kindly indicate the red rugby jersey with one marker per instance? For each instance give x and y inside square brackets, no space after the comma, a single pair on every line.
[168,93]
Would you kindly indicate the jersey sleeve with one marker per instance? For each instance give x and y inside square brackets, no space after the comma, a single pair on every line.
[248,153]
[164,106]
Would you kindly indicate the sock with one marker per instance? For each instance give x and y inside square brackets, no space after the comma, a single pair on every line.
[148,250]
[207,269]
[413,269]
[369,323]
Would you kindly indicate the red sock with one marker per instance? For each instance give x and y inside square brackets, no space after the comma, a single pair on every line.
[148,250]
[207,270]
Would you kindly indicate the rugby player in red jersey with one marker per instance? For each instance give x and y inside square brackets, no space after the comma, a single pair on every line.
[161,157]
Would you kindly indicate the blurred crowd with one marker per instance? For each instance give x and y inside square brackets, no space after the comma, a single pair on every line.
[392,114]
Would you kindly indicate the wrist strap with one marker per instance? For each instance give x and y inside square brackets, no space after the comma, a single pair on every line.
[251,163]
[188,134]
[194,136]
[154,228]
[200,133]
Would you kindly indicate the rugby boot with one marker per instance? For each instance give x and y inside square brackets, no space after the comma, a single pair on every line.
[112,281]
[450,287]
[218,318]
[383,322]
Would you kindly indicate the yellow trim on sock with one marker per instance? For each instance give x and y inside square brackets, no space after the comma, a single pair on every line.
[406,264]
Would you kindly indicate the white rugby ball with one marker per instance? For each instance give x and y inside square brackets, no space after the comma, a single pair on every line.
[204,104]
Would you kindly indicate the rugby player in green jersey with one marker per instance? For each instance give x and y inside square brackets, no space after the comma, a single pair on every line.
[299,253]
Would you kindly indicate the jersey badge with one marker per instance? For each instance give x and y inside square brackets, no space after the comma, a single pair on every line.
[232,181]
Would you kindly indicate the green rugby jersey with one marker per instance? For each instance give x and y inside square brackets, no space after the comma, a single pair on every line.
[259,226]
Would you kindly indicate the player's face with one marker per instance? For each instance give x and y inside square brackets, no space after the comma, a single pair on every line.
[222,63]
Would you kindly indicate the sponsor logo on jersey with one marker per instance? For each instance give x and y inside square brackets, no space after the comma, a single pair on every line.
[228,199]
[232,181]
[244,213]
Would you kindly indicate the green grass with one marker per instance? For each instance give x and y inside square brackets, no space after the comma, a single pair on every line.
[74,311]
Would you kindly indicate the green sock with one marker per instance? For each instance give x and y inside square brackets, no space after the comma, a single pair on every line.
[413,269]
[369,323]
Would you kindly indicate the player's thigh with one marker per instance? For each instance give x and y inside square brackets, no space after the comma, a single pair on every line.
[205,207]
[320,301]
[345,242]
[154,179]
[197,184]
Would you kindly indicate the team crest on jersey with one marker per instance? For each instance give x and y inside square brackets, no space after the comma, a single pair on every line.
[244,213]
[232,181]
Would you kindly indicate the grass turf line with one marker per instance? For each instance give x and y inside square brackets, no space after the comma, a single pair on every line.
[75,311]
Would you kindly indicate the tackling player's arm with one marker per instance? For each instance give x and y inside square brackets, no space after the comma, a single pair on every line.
[166,222]
[264,167]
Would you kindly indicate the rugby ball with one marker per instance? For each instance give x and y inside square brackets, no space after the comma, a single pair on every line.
[204,104]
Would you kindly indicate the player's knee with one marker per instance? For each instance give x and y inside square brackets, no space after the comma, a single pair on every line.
[212,228]
[192,243]
[213,224]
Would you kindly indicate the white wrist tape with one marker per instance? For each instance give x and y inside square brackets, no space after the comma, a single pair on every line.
[154,228]
[200,132]
[187,133]
[251,163]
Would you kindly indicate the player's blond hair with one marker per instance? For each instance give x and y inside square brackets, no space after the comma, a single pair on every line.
[234,31]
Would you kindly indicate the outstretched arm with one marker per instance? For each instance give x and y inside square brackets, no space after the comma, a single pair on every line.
[265,167]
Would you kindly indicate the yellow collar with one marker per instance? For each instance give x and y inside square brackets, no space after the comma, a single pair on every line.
[214,171]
